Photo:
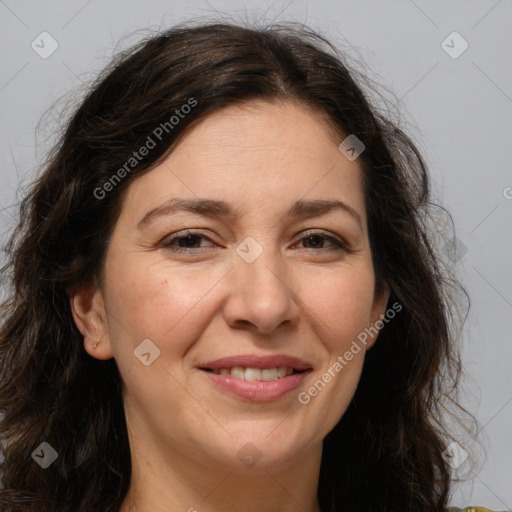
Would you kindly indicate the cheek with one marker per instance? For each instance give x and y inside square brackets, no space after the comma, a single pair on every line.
[340,307]
[341,302]
[168,306]
[157,301]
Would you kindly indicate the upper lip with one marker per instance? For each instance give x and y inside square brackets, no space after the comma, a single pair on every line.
[254,361]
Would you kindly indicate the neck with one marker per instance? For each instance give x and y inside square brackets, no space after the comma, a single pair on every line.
[164,479]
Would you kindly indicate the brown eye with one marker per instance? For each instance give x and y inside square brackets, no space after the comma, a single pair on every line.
[318,240]
[185,242]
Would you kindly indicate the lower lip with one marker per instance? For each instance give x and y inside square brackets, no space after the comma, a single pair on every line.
[258,390]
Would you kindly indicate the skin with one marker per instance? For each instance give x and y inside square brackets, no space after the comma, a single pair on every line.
[297,298]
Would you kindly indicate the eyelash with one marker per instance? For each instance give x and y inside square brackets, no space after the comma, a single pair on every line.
[167,244]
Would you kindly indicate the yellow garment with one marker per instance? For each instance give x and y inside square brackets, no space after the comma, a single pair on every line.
[471,509]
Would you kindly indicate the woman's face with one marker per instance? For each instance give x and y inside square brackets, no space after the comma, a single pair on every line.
[262,287]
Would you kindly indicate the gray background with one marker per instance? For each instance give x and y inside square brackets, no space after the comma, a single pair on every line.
[458,110]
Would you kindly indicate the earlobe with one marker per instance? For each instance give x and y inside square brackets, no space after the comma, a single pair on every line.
[88,310]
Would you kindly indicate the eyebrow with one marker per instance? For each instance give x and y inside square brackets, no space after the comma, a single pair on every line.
[215,208]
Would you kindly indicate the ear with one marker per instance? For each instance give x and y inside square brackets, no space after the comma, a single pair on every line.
[89,314]
[378,313]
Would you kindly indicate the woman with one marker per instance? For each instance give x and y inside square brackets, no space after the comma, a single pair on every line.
[224,294]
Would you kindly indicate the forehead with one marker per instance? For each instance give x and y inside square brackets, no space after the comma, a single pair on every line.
[260,126]
[269,154]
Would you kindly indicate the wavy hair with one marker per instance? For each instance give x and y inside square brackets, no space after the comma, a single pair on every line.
[385,454]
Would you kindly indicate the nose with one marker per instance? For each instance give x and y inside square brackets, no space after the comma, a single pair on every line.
[262,294]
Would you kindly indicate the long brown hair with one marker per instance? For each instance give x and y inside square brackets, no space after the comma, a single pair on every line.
[385,454]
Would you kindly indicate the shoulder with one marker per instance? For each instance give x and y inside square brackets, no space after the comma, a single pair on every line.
[470,509]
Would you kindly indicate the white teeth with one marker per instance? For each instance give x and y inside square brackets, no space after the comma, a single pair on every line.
[269,374]
[252,374]
[281,372]
[238,372]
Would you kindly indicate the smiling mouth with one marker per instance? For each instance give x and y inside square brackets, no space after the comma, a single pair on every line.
[255,374]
